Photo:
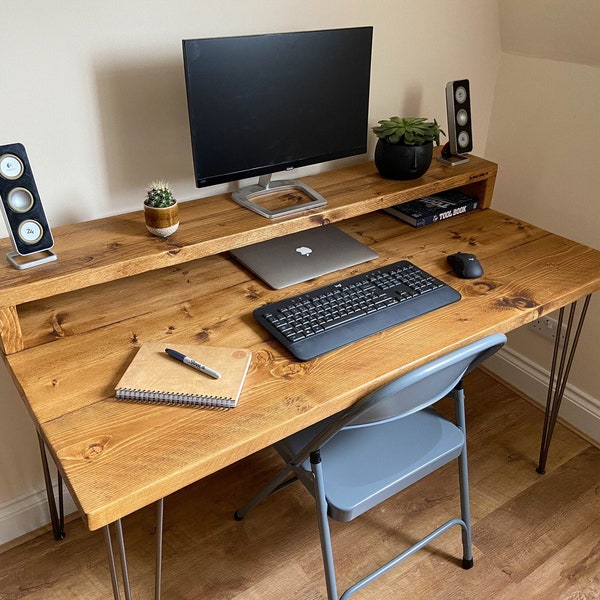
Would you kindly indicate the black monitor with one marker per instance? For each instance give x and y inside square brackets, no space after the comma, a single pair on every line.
[261,104]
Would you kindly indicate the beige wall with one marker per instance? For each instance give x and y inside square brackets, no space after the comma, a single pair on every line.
[95,92]
[544,135]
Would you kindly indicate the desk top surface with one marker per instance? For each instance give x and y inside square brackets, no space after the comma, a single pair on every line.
[117,457]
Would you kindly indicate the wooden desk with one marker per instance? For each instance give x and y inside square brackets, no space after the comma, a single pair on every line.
[69,341]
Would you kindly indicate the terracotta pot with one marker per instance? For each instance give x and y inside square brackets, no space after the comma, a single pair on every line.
[162,221]
[399,161]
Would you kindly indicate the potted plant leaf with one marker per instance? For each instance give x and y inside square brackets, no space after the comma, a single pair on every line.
[405,146]
[161,211]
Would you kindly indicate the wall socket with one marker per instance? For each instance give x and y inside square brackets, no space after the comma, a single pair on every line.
[547,327]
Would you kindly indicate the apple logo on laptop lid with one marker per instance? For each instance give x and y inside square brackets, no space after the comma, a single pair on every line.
[304,250]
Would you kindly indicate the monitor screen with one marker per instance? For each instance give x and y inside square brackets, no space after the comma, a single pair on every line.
[261,104]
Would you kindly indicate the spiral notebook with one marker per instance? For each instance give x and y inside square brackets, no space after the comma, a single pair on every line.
[154,377]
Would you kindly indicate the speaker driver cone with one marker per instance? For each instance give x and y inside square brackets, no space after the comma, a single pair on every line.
[20,200]
[460,94]
[463,139]
[30,231]
[462,117]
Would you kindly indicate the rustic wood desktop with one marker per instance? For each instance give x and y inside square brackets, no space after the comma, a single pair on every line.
[69,329]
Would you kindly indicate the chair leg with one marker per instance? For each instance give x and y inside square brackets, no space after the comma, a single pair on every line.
[463,477]
[323,521]
[278,483]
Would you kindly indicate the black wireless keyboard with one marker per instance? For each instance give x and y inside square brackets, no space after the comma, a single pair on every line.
[338,314]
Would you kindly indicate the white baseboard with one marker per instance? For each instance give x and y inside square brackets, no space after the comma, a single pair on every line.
[27,513]
[579,409]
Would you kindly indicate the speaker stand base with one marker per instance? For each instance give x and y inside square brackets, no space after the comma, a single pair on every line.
[18,261]
[453,159]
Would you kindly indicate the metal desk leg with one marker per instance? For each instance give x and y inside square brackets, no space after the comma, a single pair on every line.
[56,516]
[123,558]
[559,375]
[159,533]
[112,567]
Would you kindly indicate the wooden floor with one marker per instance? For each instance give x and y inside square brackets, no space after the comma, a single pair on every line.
[534,536]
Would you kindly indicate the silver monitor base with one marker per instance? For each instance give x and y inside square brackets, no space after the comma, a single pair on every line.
[265,188]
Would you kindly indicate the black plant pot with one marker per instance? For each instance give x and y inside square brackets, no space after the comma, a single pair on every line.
[399,161]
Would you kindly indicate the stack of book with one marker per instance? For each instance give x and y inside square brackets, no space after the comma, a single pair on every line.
[436,207]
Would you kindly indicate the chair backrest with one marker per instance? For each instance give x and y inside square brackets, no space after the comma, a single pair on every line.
[409,393]
[424,385]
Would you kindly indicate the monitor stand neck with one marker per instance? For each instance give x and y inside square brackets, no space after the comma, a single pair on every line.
[273,199]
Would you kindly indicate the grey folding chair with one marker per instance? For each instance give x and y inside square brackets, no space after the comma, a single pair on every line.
[382,444]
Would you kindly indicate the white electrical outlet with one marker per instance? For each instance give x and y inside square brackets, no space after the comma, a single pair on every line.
[547,327]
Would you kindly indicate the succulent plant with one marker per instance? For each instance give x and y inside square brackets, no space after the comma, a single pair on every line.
[159,195]
[411,131]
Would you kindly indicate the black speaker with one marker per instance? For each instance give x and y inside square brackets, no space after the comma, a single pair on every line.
[460,135]
[22,210]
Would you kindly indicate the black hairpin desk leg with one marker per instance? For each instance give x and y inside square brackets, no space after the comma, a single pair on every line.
[559,374]
[56,516]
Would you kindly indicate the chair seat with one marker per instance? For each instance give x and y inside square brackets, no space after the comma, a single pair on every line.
[365,465]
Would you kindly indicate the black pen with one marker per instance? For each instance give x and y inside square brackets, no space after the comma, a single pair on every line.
[190,362]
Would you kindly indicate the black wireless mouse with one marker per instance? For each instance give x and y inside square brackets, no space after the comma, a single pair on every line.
[465,265]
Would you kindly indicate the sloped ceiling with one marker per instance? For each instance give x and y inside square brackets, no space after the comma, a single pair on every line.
[562,30]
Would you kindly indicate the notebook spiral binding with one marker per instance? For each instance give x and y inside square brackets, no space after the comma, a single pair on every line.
[174,399]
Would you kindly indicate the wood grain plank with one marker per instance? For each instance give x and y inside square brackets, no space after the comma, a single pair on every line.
[11,336]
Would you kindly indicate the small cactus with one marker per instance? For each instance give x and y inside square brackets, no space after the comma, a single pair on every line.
[159,195]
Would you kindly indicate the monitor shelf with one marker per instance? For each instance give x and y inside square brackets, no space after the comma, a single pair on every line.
[112,248]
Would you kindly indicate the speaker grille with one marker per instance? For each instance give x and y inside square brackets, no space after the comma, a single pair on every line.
[458,106]
[21,205]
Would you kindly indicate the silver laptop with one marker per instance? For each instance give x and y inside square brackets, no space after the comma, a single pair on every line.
[297,257]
